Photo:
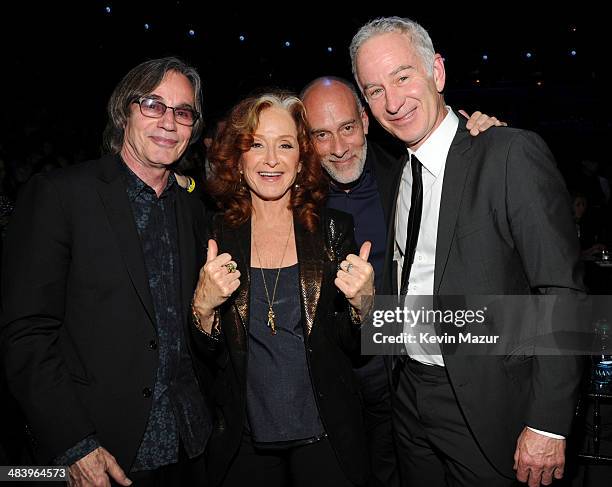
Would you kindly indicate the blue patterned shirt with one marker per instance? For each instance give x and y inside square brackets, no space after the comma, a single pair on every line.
[178,409]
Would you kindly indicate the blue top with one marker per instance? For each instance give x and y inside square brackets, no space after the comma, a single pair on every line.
[281,405]
[362,201]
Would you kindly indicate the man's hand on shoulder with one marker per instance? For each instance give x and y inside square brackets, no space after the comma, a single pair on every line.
[538,458]
[94,469]
[480,122]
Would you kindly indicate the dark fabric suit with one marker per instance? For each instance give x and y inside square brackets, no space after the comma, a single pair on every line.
[387,170]
[505,227]
[331,340]
[78,332]
[372,376]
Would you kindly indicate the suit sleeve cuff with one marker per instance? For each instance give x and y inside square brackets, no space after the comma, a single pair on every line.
[78,451]
[546,433]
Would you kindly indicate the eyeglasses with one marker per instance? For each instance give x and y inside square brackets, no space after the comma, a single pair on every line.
[152,108]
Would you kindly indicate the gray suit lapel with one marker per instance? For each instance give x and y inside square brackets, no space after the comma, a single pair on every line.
[455,174]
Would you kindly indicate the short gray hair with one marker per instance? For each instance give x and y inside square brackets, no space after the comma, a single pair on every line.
[141,81]
[418,36]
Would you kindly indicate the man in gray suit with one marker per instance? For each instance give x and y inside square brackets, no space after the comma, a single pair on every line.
[484,215]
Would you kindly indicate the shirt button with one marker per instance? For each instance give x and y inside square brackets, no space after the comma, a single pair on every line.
[146,392]
[153,344]
[420,258]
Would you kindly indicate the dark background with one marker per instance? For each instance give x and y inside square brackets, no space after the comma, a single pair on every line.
[60,62]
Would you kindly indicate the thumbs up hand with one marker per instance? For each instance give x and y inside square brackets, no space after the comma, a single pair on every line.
[218,279]
[355,277]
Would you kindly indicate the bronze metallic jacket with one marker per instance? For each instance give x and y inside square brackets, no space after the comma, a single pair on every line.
[331,342]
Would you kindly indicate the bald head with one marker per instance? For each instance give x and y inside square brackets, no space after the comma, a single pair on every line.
[332,81]
[339,125]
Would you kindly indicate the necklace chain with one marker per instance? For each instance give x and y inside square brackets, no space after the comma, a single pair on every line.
[271,316]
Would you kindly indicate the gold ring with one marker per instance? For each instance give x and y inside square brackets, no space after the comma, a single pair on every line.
[231,267]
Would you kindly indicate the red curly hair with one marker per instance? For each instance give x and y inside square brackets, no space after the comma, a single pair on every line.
[226,185]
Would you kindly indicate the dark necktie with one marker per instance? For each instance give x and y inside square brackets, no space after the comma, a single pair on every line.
[414,221]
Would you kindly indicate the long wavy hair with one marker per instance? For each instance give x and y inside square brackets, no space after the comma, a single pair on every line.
[226,185]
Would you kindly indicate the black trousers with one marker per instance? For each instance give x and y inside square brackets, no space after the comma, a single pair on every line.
[374,386]
[312,465]
[435,445]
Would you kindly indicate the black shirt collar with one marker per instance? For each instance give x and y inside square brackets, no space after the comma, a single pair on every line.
[135,185]
[359,182]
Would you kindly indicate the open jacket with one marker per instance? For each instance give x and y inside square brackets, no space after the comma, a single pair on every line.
[331,339]
[79,338]
[505,228]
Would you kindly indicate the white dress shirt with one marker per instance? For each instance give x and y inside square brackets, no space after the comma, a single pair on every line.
[432,155]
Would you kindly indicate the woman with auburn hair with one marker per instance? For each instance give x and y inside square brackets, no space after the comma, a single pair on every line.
[277,309]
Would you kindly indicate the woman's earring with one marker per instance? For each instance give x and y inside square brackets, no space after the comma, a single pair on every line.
[296,183]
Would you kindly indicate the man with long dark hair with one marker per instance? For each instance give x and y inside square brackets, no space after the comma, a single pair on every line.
[100,263]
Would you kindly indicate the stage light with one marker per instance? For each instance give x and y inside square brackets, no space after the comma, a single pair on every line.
[191,33]
[287,44]
[485,57]
[242,38]
[330,49]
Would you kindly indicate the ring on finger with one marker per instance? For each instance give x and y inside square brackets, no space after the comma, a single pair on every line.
[349,267]
[231,267]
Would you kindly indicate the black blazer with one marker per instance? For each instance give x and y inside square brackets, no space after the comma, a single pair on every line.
[331,341]
[387,170]
[505,227]
[78,332]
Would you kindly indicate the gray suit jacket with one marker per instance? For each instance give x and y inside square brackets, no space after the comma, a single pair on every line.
[505,227]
